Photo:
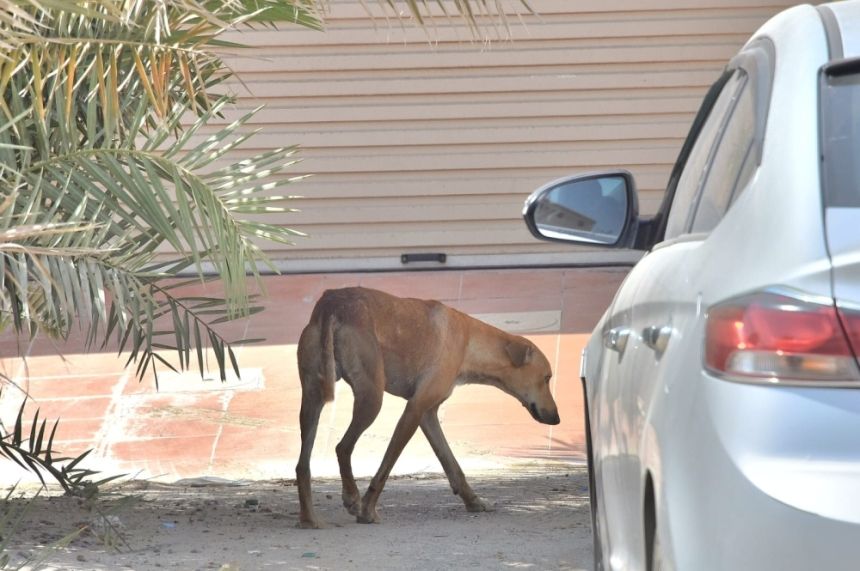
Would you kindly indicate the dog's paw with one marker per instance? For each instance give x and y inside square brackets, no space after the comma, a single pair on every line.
[352,505]
[368,517]
[478,505]
[309,524]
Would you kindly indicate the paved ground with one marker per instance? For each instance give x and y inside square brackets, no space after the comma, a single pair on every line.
[249,429]
[540,522]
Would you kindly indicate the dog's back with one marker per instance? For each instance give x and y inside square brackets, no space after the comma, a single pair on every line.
[353,330]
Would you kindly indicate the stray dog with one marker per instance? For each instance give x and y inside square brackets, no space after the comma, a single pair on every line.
[415,349]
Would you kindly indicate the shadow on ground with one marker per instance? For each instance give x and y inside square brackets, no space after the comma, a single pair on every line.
[540,521]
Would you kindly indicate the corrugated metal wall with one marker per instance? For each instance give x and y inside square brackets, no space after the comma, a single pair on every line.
[422,141]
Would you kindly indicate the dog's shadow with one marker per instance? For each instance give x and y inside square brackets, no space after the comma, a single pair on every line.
[426,498]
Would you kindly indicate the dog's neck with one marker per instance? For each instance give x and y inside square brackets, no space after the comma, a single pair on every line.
[482,358]
[469,377]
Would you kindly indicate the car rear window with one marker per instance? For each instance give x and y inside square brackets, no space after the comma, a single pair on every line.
[840,138]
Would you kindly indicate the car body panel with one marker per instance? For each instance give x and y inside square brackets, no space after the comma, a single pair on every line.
[780,461]
[627,446]
[848,19]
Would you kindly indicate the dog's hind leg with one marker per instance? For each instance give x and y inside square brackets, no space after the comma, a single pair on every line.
[433,431]
[318,374]
[365,409]
[313,399]
[312,404]
[363,369]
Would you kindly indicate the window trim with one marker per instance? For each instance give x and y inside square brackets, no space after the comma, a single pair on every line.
[744,82]
[758,59]
[831,28]
[654,231]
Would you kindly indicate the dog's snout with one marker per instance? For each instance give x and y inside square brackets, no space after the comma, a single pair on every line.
[543,416]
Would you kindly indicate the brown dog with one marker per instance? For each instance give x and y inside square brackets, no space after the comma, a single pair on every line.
[415,349]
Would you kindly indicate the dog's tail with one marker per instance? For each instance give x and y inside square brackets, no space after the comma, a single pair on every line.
[328,374]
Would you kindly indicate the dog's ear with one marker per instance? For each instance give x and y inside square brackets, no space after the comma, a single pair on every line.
[519,353]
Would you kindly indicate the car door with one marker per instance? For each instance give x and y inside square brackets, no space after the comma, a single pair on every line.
[660,310]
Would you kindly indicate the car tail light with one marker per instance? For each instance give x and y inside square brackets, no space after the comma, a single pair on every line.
[776,338]
[851,322]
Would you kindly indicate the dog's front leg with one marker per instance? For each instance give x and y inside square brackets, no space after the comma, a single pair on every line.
[406,427]
[433,431]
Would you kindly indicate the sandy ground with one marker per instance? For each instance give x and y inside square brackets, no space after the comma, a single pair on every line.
[540,522]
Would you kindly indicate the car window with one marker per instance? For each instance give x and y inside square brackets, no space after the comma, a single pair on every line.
[733,164]
[840,139]
[695,168]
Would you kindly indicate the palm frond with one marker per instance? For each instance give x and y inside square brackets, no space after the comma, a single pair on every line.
[53,288]
[109,55]
[485,19]
[146,197]
[34,451]
[88,206]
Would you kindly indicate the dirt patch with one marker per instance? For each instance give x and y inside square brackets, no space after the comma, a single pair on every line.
[540,521]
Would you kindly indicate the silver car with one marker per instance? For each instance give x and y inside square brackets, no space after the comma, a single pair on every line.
[722,385]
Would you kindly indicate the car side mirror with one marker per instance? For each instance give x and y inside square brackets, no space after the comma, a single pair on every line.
[595,209]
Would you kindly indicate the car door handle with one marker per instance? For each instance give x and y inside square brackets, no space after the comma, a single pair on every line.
[657,337]
[616,339]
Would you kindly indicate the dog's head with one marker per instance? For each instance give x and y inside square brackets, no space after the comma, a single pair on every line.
[528,379]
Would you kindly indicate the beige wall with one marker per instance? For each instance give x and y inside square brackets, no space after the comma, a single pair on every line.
[432,146]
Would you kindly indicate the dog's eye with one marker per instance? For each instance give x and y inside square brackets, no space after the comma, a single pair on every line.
[547,379]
